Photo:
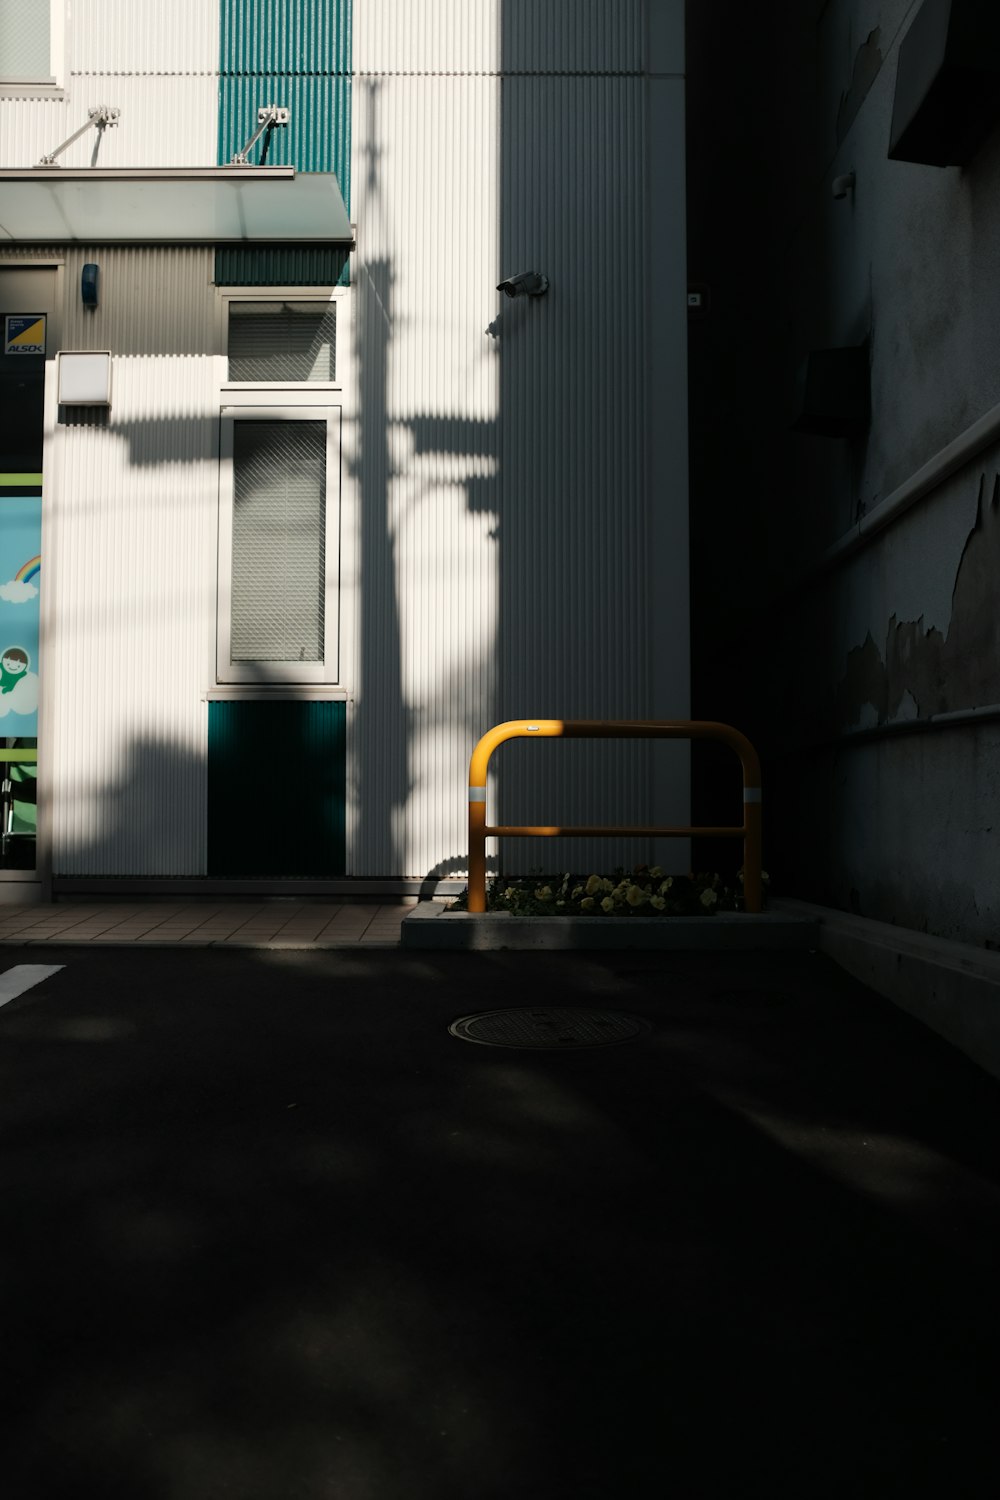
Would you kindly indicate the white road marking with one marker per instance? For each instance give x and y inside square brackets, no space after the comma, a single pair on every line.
[21,977]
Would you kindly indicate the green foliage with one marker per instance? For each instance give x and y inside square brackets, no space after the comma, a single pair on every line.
[646,892]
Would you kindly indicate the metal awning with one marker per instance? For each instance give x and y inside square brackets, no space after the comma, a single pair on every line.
[171,205]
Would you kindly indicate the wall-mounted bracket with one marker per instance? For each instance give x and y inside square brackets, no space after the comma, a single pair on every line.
[268,117]
[100,117]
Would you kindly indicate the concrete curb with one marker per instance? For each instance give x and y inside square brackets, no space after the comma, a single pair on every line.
[296,945]
[951,987]
[431,925]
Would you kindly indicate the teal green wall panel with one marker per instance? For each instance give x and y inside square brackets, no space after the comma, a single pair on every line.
[277,265]
[287,36]
[296,54]
[277,776]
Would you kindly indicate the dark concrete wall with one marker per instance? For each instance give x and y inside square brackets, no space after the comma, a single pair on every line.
[824,667]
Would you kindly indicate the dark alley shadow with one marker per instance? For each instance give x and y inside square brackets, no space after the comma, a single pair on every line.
[271,1229]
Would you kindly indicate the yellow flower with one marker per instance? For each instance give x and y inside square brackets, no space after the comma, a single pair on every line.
[607,885]
[708,899]
[607,904]
[577,891]
[587,904]
[655,873]
[509,893]
[635,896]
[658,902]
[544,893]
[594,884]
[664,888]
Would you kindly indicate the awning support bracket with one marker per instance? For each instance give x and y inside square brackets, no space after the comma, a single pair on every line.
[101,116]
[268,117]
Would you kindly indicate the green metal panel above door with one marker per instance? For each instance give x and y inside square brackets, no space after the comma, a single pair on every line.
[280,265]
[296,54]
[276,789]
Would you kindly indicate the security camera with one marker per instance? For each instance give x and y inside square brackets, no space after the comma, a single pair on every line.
[526,284]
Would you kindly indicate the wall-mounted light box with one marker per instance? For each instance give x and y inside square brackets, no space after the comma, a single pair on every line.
[85,377]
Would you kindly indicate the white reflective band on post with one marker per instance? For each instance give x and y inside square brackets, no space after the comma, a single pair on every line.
[477,794]
[751,794]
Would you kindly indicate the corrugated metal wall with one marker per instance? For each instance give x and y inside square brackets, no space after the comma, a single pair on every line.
[120,36]
[129,543]
[298,55]
[504,549]
[157,64]
[494,451]
[572,36]
[578,632]
[431,38]
[427,445]
[130,523]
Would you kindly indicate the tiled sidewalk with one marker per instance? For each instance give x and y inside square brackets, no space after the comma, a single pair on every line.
[246,924]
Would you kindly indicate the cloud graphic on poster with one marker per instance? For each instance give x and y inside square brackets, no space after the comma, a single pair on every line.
[22,699]
[17,592]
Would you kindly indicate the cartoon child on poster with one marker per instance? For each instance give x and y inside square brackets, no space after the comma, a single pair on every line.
[13,665]
[20,524]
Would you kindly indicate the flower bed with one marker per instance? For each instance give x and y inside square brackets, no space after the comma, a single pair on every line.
[646,892]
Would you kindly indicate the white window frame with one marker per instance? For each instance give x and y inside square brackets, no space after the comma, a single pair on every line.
[338,294]
[54,83]
[328,670]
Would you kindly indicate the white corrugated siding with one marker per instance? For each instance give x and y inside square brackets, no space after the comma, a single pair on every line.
[503,561]
[485,36]
[158,64]
[129,577]
[165,122]
[426,36]
[427,443]
[123,36]
[31,127]
[578,629]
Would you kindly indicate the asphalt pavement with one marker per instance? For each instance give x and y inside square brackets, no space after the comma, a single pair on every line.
[270,1231]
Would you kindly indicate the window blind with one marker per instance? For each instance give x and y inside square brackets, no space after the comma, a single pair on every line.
[279,541]
[283,341]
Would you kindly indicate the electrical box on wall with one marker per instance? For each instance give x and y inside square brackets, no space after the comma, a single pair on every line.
[947,83]
[85,377]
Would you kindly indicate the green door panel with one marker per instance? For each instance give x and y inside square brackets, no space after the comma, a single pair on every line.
[276,789]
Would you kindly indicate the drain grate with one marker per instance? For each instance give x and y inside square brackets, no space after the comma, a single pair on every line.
[548,1028]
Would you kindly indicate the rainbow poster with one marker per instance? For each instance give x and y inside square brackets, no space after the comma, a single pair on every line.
[20,592]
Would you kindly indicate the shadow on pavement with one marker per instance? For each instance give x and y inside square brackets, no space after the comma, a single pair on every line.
[270,1231]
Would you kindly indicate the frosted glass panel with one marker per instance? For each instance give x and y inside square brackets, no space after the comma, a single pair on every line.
[282,341]
[279,541]
[24,41]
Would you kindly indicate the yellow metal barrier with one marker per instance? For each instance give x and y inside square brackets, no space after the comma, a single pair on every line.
[618,729]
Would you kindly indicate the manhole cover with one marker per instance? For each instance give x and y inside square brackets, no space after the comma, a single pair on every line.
[548,1028]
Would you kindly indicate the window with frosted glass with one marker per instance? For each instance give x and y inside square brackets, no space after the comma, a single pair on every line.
[283,341]
[25,41]
[279,541]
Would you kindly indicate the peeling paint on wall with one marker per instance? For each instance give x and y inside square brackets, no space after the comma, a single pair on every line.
[923,671]
[867,65]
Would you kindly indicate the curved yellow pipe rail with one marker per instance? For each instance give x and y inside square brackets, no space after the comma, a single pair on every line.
[749,830]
